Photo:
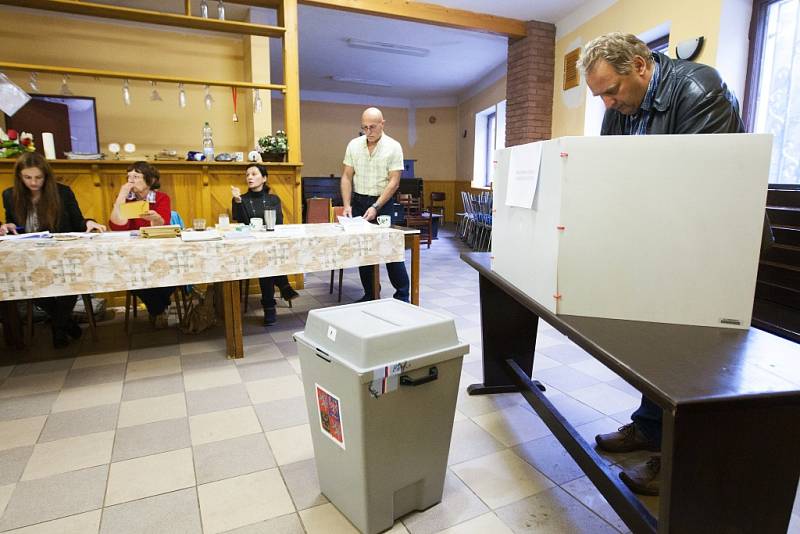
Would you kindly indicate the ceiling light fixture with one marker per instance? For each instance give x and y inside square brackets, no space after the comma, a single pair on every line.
[390,48]
[360,81]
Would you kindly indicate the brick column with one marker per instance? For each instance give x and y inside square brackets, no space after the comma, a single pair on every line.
[529,89]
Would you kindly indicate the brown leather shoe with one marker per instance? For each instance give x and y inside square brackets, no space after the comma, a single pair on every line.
[644,478]
[627,438]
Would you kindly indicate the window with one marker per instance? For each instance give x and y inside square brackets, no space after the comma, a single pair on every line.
[660,45]
[772,104]
[490,134]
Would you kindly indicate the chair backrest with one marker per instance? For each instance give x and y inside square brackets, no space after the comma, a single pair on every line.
[409,202]
[337,212]
[175,218]
[437,196]
[318,210]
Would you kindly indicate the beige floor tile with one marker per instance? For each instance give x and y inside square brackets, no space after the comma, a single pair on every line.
[97,360]
[153,367]
[294,361]
[606,399]
[595,369]
[459,417]
[74,524]
[88,396]
[150,475]
[512,426]
[583,490]
[542,362]
[216,426]
[239,501]
[291,444]
[69,454]
[211,378]
[480,525]
[206,345]
[501,478]
[152,409]
[20,432]
[272,389]
[5,496]
[326,519]
[17,386]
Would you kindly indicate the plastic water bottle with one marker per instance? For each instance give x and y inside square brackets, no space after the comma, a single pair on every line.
[208,143]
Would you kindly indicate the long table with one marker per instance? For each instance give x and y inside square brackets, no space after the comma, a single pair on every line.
[729,460]
[34,268]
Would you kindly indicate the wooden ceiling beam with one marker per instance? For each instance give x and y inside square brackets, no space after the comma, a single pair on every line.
[416,12]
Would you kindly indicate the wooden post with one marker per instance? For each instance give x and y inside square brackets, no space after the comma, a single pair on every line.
[287,17]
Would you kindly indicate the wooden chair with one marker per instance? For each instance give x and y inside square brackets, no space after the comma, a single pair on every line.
[424,224]
[436,202]
[87,304]
[180,297]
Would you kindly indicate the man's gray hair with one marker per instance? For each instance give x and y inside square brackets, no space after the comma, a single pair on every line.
[617,48]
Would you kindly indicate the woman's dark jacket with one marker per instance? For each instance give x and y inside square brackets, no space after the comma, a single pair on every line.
[254,204]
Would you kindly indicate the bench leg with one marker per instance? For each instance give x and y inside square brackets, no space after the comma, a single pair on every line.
[508,331]
[731,464]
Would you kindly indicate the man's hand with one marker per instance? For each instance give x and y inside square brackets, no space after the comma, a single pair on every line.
[370,214]
[8,228]
[348,212]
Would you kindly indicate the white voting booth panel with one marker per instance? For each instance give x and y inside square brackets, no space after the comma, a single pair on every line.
[662,228]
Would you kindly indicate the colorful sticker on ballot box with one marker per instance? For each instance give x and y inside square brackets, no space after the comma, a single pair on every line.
[330,415]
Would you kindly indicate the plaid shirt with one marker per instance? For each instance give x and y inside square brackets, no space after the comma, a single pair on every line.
[637,124]
[372,170]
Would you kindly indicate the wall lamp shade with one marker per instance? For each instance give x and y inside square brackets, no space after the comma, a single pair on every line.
[689,49]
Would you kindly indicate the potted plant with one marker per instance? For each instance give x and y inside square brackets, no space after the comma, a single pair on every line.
[13,144]
[273,147]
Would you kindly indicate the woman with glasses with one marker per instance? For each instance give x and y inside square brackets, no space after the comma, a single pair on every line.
[143,183]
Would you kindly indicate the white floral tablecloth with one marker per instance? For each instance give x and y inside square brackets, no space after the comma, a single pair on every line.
[33,268]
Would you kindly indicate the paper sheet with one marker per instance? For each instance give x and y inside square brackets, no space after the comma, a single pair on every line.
[33,235]
[523,175]
[353,223]
[133,210]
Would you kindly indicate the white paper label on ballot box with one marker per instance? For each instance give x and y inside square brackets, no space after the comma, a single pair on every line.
[662,228]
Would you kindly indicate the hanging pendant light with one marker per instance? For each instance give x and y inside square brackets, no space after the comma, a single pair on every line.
[65,90]
[181,96]
[126,92]
[258,106]
[208,100]
[34,82]
[154,96]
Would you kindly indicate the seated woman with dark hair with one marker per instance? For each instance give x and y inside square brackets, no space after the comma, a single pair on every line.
[253,204]
[143,182]
[37,203]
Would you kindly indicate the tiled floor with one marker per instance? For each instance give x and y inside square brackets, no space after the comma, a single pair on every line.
[160,433]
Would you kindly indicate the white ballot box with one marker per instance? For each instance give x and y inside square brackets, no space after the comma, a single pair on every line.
[661,228]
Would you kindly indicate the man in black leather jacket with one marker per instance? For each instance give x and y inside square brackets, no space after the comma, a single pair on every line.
[647,93]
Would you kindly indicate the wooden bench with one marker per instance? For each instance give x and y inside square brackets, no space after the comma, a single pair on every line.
[730,451]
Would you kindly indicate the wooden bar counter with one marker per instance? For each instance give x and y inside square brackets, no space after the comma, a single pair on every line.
[197,189]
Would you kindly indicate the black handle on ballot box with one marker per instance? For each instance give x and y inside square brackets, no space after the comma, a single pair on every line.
[433,374]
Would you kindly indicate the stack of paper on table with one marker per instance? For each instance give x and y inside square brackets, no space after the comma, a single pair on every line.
[169,230]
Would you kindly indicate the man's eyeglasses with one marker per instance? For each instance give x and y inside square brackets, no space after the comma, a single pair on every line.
[369,127]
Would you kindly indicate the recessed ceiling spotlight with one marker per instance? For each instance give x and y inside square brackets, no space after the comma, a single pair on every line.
[390,48]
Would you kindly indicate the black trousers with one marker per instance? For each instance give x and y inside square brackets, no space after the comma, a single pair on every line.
[156,299]
[267,285]
[398,274]
[59,309]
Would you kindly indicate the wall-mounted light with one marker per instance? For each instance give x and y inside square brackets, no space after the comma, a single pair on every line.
[689,49]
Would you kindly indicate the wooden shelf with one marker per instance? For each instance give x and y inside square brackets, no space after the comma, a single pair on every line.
[151,17]
[137,76]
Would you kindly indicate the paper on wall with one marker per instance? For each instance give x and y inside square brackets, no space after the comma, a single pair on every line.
[523,175]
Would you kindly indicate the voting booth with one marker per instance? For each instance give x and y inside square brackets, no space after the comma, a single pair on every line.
[661,228]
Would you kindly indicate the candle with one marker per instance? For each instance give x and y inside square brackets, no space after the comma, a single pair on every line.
[49,145]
